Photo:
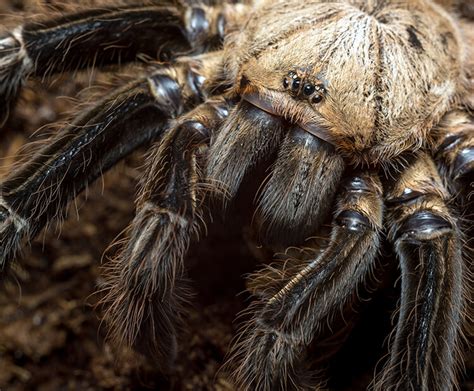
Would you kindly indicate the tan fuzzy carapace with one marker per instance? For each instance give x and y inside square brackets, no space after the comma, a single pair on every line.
[390,69]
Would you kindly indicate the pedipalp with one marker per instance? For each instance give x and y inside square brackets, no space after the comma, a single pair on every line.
[145,292]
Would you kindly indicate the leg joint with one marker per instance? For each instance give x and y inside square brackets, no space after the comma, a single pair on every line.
[167,93]
[195,129]
[353,221]
[203,24]
[423,225]
[464,162]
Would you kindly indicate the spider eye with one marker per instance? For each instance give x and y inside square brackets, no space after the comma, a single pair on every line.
[296,83]
[308,89]
[285,83]
[317,98]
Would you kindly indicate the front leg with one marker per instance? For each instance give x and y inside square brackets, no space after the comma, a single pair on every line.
[297,297]
[145,291]
[425,350]
[38,191]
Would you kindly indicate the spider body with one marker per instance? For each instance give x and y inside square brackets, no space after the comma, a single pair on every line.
[364,109]
[400,75]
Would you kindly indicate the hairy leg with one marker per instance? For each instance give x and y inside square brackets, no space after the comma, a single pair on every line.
[107,36]
[426,237]
[40,188]
[145,291]
[296,297]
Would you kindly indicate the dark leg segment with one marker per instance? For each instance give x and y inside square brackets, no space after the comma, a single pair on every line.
[301,188]
[248,135]
[38,191]
[426,238]
[106,36]
[454,154]
[296,297]
[145,292]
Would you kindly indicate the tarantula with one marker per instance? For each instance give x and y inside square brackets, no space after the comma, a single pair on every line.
[361,109]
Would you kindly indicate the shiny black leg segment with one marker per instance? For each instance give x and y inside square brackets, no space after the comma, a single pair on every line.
[145,292]
[39,190]
[100,37]
[425,348]
[297,296]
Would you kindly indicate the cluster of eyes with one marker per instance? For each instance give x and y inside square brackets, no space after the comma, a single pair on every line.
[293,81]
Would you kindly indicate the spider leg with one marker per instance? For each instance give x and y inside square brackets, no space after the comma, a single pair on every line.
[107,36]
[454,154]
[145,291]
[295,300]
[39,189]
[427,240]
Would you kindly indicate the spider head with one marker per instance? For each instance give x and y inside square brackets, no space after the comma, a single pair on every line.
[371,82]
